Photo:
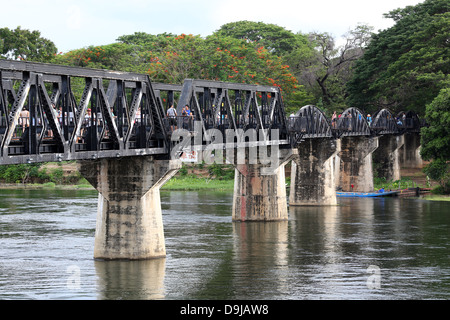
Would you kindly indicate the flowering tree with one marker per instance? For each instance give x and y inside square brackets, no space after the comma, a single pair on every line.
[169,58]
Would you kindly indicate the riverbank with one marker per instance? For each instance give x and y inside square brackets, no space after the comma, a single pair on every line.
[199,177]
[187,183]
[437,197]
[47,185]
[174,184]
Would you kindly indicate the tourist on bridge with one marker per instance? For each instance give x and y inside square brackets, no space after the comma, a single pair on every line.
[172,115]
[24,118]
[333,119]
[187,116]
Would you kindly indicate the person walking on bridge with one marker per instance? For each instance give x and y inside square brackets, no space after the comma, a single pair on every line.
[172,115]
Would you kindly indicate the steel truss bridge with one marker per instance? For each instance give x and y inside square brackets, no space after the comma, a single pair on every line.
[56,113]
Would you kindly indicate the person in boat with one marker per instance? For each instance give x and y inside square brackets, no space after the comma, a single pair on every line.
[381,190]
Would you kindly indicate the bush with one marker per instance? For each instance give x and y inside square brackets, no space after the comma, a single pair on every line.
[183,171]
[438,170]
[19,173]
[221,172]
[37,173]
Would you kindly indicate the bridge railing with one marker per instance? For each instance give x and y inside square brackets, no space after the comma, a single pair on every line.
[351,122]
[409,121]
[309,127]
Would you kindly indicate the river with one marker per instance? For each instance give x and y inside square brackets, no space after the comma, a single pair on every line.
[369,249]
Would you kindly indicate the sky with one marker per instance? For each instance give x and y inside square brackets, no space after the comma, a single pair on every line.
[75,24]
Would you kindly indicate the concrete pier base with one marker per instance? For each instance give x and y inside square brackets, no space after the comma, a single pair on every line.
[386,157]
[313,173]
[259,193]
[410,151]
[129,218]
[356,163]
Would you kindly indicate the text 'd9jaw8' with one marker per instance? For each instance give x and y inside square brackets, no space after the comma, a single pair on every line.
[227,309]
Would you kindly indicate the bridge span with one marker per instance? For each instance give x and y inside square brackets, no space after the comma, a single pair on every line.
[128,141]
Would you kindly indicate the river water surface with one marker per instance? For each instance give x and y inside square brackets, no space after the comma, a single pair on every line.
[387,248]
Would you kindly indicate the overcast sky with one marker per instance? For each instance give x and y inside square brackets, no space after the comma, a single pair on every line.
[74,24]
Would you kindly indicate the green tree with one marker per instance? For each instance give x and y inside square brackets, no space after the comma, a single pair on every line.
[169,58]
[435,138]
[25,45]
[275,39]
[293,50]
[329,68]
[436,135]
[404,67]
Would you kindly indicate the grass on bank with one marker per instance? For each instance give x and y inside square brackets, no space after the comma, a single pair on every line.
[194,183]
[403,183]
[437,198]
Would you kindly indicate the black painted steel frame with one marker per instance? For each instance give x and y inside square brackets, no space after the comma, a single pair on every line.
[104,123]
[222,106]
[122,114]
[309,123]
[118,114]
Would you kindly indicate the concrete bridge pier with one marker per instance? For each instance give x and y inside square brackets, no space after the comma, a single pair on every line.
[129,217]
[260,190]
[356,163]
[313,173]
[386,157]
[410,151]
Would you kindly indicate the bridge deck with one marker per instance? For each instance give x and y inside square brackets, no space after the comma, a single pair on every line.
[55,113]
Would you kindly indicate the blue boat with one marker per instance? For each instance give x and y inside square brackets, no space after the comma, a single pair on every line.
[366,194]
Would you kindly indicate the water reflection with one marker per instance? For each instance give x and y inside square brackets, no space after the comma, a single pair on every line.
[260,251]
[335,246]
[134,280]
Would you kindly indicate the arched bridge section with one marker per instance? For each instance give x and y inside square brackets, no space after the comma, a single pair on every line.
[384,122]
[410,121]
[309,123]
[351,122]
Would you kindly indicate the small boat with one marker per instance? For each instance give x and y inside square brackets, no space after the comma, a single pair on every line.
[367,194]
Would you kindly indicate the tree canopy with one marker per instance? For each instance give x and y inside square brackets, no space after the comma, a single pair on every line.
[404,67]
[436,136]
[329,67]
[436,139]
[275,39]
[25,45]
[170,58]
